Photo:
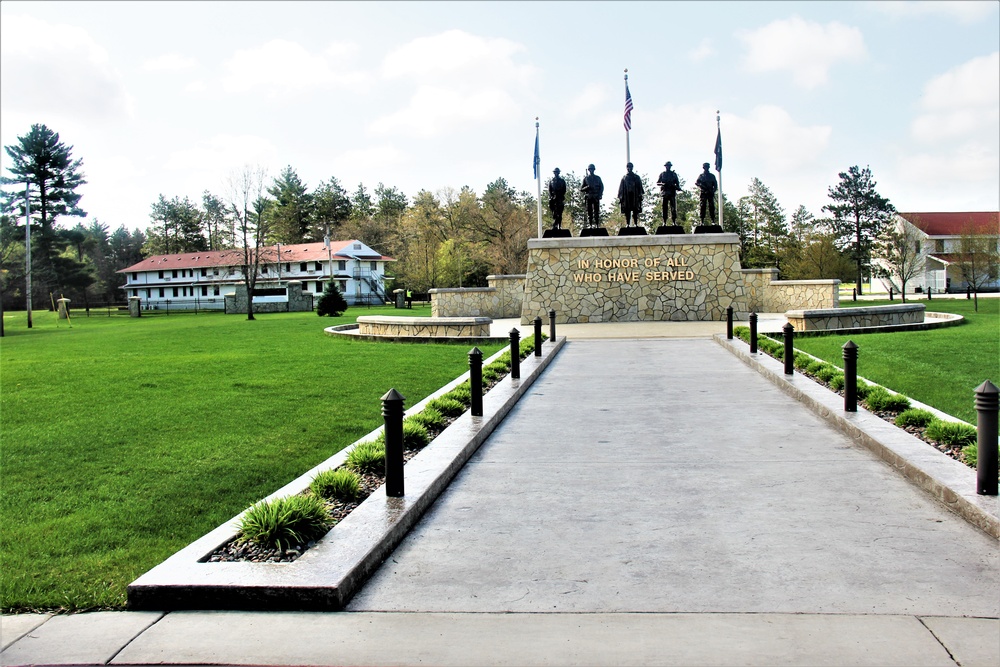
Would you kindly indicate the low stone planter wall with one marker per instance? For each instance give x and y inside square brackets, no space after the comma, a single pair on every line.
[782,295]
[848,318]
[424,327]
[501,300]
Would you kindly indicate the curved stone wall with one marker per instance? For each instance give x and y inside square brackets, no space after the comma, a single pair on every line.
[424,327]
[849,318]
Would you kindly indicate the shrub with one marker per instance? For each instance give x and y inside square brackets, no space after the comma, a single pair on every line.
[742,332]
[863,389]
[880,399]
[342,484]
[953,434]
[897,403]
[428,418]
[492,374]
[826,372]
[368,456]
[802,360]
[462,393]
[970,454]
[914,417]
[448,407]
[503,361]
[415,436]
[815,366]
[331,302]
[836,382]
[285,521]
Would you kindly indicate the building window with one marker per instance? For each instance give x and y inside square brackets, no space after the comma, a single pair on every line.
[215,290]
[173,273]
[319,287]
[263,269]
[204,290]
[341,265]
[374,266]
[319,267]
[204,273]
[288,267]
[938,245]
[161,292]
[343,287]
[135,276]
[215,271]
[302,266]
[159,275]
[357,246]
[175,291]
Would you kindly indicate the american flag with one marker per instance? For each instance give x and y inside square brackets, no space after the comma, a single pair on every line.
[628,108]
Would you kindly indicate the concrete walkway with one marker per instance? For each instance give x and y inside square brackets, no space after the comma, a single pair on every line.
[650,501]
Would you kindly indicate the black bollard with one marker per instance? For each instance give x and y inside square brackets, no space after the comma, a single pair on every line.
[392,412]
[854,294]
[552,325]
[753,333]
[929,290]
[968,292]
[515,354]
[538,336]
[987,404]
[789,330]
[476,381]
[890,293]
[729,323]
[850,376]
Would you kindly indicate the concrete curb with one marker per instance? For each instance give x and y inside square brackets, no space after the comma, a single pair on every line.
[327,576]
[950,482]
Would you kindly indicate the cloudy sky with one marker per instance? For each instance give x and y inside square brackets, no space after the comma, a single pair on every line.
[169,98]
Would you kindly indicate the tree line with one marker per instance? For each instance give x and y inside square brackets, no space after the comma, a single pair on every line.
[448,238]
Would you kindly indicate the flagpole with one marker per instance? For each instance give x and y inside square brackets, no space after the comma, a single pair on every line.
[628,148]
[538,179]
[718,162]
[27,248]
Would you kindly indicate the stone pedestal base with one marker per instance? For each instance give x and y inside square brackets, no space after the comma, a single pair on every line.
[635,278]
[593,231]
[134,306]
[632,231]
[670,229]
[63,307]
[557,234]
[708,229]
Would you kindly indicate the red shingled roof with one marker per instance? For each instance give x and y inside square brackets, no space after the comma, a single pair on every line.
[302,252]
[954,224]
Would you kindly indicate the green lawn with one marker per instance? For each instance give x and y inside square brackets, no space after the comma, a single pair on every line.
[125,439]
[939,367]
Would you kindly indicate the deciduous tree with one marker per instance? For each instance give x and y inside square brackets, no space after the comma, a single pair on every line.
[978,259]
[249,206]
[899,256]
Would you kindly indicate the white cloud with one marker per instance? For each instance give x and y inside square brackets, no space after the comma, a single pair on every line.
[805,48]
[961,11]
[373,158]
[221,153]
[433,110]
[461,79]
[198,86]
[457,52]
[593,96]
[702,51]
[66,74]
[169,62]
[961,103]
[281,66]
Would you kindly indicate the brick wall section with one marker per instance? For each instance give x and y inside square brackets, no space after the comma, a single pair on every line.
[848,318]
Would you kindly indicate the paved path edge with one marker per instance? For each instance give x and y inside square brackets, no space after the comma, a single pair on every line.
[948,481]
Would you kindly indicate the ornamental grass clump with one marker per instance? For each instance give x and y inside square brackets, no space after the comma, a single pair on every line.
[970,455]
[415,436]
[802,360]
[448,407]
[953,434]
[880,399]
[492,374]
[342,484]
[816,366]
[914,417]
[462,393]
[283,522]
[368,456]
[836,381]
[429,418]
[827,372]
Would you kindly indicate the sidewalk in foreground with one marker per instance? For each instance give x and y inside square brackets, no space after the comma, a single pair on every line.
[344,638]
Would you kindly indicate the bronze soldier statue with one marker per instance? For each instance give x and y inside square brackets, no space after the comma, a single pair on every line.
[593,191]
[630,196]
[557,198]
[708,185]
[669,185]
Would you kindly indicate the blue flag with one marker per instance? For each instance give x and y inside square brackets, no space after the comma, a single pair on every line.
[537,162]
[718,151]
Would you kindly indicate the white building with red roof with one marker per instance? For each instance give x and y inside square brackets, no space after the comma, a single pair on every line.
[939,243]
[202,279]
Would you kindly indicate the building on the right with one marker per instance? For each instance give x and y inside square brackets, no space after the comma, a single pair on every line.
[941,242]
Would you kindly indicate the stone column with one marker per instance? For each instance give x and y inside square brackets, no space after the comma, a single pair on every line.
[134,306]
[63,307]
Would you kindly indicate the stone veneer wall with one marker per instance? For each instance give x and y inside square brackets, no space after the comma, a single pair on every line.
[298,301]
[848,318]
[756,281]
[690,277]
[782,295]
[502,299]
[424,327]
